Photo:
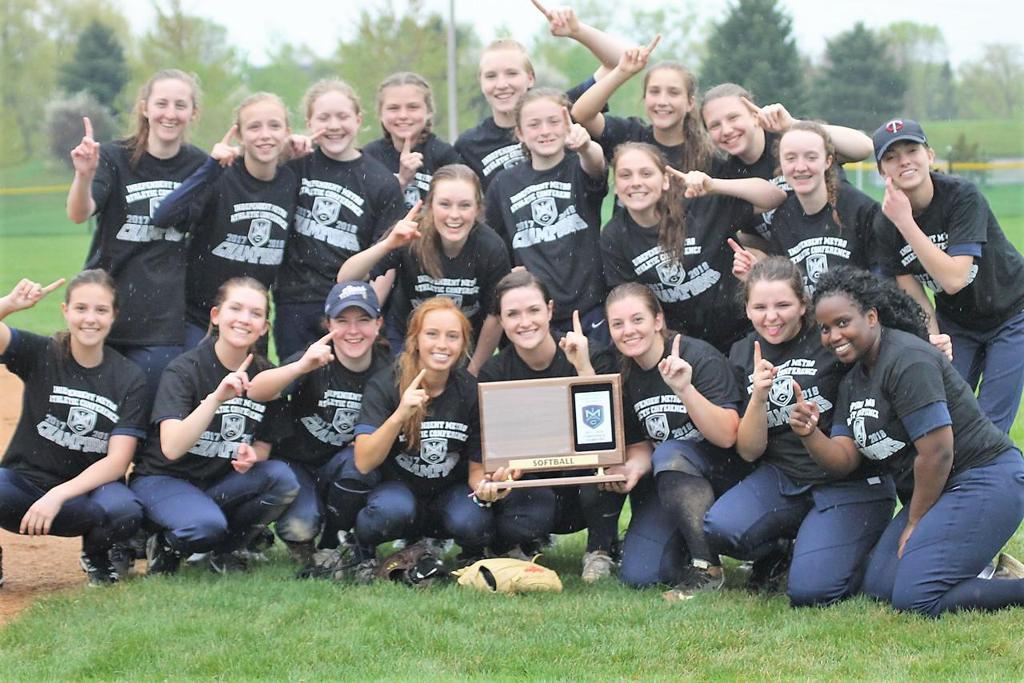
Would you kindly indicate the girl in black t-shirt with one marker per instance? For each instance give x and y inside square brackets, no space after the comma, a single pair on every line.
[904,409]
[524,307]
[444,250]
[83,414]
[203,475]
[939,231]
[677,245]
[408,147]
[670,103]
[324,385]
[420,427]
[680,402]
[823,222]
[346,201]
[548,210]
[241,209]
[122,184]
[788,496]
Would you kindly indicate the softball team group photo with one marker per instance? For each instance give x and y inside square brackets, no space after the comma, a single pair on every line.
[814,384]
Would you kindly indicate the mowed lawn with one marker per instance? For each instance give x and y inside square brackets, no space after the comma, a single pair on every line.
[266,625]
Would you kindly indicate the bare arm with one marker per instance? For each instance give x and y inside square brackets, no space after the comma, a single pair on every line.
[85,157]
[911,285]
[372,449]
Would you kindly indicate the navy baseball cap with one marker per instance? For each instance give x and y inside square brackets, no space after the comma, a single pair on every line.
[894,131]
[352,293]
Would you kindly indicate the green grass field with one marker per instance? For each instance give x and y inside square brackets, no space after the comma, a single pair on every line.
[266,625]
[996,138]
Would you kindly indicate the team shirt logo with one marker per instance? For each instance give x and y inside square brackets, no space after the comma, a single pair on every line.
[344,420]
[435,459]
[816,265]
[875,445]
[671,273]
[146,197]
[231,426]
[544,211]
[657,426]
[326,210]
[81,420]
[781,392]
[154,204]
[860,432]
[434,450]
[259,231]
[411,195]
[676,283]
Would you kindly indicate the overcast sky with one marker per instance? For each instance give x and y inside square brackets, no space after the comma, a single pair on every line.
[254,24]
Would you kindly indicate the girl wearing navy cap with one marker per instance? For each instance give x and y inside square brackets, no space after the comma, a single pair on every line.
[938,231]
[324,385]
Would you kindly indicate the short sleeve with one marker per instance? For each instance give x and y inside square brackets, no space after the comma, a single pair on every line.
[175,396]
[105,179]
[713,377]
[132,411]
[914,385]
[380,399]
[968,217]
[24,352]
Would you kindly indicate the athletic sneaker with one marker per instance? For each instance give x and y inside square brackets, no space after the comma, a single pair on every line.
[1007,567]
[329,563]
[301,551]
[163,559]
[362,573]
[597,565]
[228,563]
[98,568]
[122,558]
[768,574]
[701,577]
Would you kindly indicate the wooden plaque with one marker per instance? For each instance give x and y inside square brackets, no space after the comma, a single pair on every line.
[556,424]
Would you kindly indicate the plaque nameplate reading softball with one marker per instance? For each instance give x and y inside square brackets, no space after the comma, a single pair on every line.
[553,425]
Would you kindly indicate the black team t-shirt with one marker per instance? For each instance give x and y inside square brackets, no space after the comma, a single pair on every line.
[343,208]
[654,413]
[698,294]
[189,379]
[69,412]
[959,221]
[436,153]
[912,390]
[551,220]
[507,365]
[146,262]
[449,434]
[817,371]
[816,243]
[618,129]
[324,409]
[468,279]
[240,229]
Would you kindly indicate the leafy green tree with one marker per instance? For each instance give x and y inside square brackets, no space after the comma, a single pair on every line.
[993,86]
[860,85]
[27,59]
[754,46]
[97,67]
[921,52]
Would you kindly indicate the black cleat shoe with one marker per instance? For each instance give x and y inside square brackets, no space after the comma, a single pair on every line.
[228,563]
[122,557]
[768,574]
[163,559]
[98,568]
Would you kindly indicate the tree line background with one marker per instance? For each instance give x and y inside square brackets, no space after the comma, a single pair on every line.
[60,59]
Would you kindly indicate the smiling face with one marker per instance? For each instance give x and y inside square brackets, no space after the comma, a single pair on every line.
[242,317]
[403,112]
[804,161]
[263,128]
[354,332]
[731,125]
[89,314]
[440,341]
[666,98]
[337,116]
[526,317]
[504,77]
[542,127]
[636,330]
[908,164]
[775,310]
[455,209]
[168,109]
[847,331]
[639,184]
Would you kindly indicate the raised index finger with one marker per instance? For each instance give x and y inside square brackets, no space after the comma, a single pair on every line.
[757,354]
[736,246]
[542,8]
[88,126]
[326,338]
[407,145]
[577,327]
[568,118]
[411,216]
[53,285]
[798,392]
[675,345]
[232,131]
[417,379]
[653,44]
[754,109]
[245,364]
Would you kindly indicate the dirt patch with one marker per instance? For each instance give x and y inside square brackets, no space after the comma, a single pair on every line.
[33,565]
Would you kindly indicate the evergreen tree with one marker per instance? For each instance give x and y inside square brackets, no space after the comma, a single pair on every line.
[98,66]
[754,46]
[860,85]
